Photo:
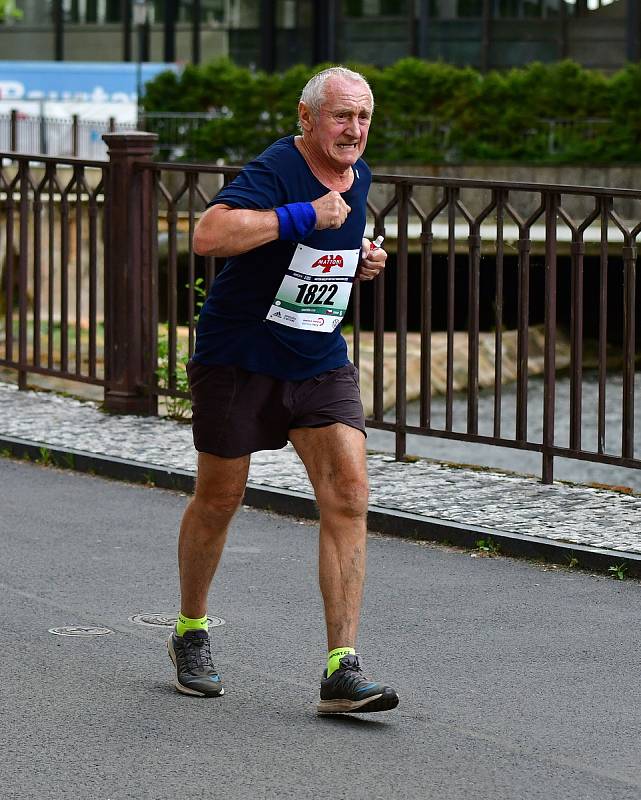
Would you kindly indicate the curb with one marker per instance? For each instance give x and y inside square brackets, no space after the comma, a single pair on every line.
[300,504]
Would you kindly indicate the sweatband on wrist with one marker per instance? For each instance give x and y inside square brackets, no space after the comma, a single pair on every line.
[296,221]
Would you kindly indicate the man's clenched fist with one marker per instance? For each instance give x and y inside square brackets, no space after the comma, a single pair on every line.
[371,261]
[331,211]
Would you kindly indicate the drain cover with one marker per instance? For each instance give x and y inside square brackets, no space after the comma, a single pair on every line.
[167,620]
[79,630]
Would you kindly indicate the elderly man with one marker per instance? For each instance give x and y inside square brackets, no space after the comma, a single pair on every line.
[270,365]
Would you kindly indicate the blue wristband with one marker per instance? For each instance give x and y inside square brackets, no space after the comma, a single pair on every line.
[296,221]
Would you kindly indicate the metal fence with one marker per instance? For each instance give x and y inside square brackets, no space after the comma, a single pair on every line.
[468,259]
[51,266]
[177,134]
[175,131]
[72,137]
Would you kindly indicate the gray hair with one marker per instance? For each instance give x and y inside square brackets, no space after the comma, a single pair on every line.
[313,94]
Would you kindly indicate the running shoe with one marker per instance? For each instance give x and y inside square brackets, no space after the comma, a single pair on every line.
[347,690]
[195,671]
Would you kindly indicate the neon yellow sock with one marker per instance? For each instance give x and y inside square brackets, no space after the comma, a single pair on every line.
[334,658]
[184,623]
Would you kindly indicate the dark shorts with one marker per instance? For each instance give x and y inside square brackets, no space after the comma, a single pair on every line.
[236,412]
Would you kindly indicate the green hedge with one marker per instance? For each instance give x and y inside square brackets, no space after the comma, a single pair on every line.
[425,112]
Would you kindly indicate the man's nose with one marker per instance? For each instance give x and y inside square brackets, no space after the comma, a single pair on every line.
[353,128]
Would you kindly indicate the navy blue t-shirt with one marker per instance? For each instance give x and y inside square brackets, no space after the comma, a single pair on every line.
[232,328]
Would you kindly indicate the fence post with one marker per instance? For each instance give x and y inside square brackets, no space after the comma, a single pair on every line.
[42,132]
[13,146]
[23,279]
[403,193]
[129,285]
[74,135]
[552,202]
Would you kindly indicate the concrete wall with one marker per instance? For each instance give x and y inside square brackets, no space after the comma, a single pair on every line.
[103,43]
[602,46]
[593,42]
[620,177]
[596,43]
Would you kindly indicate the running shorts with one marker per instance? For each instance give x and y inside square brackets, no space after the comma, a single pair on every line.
[236,412]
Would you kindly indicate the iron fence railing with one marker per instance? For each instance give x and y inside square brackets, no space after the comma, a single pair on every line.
[62,137]
[177,134]
[471,264]
[175,130]
[447,229]
[51,267]
[562,134]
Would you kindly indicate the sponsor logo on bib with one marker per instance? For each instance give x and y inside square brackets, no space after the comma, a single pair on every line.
[314,322]
[328,261]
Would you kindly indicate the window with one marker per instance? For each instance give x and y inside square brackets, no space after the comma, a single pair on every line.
[375,8]
[470,8]
[25,12]
[455,9]
[524,9]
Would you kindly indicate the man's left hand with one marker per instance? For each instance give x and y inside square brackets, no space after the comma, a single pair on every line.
[372,261]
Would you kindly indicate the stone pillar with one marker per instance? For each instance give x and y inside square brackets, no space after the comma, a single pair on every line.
[130,290]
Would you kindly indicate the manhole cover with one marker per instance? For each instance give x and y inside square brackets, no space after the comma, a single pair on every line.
[79,630]
[167,620]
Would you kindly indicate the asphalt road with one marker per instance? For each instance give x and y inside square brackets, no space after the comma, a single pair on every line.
[516,682]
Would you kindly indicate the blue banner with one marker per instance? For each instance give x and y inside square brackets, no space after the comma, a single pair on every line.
[76,81]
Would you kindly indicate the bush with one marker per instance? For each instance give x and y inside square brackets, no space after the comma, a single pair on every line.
[425,112]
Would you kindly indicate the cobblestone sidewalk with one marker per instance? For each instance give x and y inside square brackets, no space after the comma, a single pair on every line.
[496,501]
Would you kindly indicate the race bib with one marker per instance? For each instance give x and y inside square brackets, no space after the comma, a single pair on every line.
[315,291]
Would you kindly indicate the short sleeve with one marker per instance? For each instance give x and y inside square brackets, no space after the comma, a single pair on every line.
[257,187]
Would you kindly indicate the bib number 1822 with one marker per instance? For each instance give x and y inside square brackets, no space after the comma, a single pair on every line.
[312,294]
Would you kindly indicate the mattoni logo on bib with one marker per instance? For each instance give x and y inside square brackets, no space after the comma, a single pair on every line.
[328,261]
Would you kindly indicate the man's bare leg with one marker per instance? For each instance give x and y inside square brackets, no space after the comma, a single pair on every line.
[220,486]
[334,457]
[219,491]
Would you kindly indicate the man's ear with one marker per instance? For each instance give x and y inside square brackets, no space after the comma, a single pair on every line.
[305,117]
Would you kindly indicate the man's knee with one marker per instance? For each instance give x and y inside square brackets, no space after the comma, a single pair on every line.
[220,487]
[215,506]
[345,496]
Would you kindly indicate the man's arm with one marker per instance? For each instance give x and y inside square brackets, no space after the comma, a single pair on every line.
[226,231]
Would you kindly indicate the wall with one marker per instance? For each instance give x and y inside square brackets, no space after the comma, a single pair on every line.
[103,43]
[619,177]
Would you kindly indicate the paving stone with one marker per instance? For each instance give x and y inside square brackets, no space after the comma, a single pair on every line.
[511,503]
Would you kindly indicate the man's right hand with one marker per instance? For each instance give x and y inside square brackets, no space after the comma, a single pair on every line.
[331,211]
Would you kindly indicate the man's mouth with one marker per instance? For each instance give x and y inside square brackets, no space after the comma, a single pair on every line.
[352,146]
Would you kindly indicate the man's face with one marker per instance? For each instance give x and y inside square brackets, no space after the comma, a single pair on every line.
[339,133]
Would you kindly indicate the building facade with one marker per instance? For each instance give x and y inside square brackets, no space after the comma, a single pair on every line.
[275,34]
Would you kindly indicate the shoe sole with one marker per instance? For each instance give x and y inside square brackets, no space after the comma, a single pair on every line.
[376,702]
[184,689]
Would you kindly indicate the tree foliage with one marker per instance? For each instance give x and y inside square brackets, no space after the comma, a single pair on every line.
[8,11]
[425,112]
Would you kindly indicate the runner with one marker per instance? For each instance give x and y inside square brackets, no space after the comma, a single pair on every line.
[270,365]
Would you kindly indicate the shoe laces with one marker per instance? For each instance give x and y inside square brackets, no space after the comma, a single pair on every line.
[350,672]
[196,651]
[351,663]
